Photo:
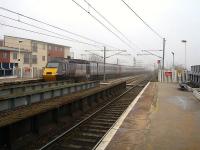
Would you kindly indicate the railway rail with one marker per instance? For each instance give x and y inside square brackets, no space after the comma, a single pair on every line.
[13,96]
[58,113]
[88,132]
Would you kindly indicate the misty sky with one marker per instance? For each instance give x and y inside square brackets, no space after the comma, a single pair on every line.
[173,19]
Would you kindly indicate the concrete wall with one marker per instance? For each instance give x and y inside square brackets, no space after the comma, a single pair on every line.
[13,42]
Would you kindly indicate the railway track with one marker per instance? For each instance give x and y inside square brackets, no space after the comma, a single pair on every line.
[38,130]
[88,132]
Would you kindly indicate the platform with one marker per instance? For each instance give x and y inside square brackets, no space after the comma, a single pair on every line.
[164,118]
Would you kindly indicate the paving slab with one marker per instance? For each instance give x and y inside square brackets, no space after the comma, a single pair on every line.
[164,118]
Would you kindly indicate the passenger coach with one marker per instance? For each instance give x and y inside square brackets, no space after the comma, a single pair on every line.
[77,69]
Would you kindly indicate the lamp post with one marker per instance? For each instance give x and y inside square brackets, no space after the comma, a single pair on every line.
[19,58]
[184,41]
[173,58]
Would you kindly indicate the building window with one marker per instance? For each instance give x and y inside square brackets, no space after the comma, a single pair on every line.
[49,47]
[43,58]
[43,46]
[34,47]
[14,55]
[5,55]
[34,59]
[26,58]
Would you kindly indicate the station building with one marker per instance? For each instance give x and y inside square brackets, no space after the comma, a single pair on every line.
[27,57]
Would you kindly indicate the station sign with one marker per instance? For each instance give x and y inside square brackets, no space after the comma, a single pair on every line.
[168,73]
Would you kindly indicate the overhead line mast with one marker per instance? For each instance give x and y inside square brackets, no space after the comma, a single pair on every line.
[154,31]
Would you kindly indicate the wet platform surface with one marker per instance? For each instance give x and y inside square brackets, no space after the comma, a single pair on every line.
[164,118]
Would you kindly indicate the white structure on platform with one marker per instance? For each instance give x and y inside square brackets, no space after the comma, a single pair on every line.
[172,75]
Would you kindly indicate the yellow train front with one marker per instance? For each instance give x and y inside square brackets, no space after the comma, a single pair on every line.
[54,70]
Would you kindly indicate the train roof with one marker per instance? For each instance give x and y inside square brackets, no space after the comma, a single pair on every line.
[59,59]
[78,61]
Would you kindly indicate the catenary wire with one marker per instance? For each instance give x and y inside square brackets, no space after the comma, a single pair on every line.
[103,25]
[42,33]
[56,27]
[71,39]
[143,20]
[109,23]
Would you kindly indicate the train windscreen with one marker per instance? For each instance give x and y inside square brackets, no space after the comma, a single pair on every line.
[52,65]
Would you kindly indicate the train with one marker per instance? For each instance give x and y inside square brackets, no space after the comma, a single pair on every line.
[77,69]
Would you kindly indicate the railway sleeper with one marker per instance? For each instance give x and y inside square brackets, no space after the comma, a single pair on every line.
[84,140]
[126,100]
[74,147]
[91,135]
[80,143]
[129,96]
[105,119]
[94,130]
[119,111]
[119,108]
[101,123]
[100,127]
[116,112]
[109,115]
[65,146]
[110,118]
[125,104]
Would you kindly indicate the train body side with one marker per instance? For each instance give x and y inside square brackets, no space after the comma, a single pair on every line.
[82,69]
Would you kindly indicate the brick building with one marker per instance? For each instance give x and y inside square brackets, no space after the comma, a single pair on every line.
[29,55]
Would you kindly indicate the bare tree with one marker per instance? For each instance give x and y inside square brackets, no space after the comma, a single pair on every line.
[93,57]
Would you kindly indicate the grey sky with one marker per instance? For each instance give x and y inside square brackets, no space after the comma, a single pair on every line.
[173,19]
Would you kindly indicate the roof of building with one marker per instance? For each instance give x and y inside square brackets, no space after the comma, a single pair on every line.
[36,40]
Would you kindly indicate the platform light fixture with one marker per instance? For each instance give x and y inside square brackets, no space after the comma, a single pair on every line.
[173,59]
[184,41]
[19,58]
